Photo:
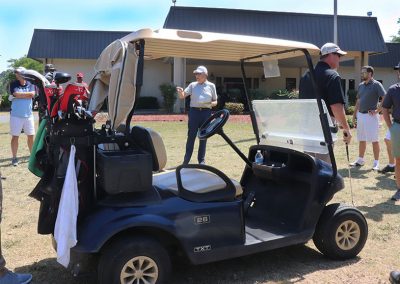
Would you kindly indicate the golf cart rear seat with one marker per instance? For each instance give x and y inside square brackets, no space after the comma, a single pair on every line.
[193,179]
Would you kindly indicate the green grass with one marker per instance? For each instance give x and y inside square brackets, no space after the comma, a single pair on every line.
[25,250]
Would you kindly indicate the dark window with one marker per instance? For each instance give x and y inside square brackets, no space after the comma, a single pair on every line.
[344,85]
[290,84]
[352,84]
[256,83]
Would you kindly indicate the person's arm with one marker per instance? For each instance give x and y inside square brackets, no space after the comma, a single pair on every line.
[340,116]
[356,108]
[214,99]
[24,95]
[386,117]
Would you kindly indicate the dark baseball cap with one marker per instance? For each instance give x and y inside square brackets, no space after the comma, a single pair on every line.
[397,67]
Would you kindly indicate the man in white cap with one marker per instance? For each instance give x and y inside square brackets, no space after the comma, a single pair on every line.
[21,117]
[203,96]
[329,86]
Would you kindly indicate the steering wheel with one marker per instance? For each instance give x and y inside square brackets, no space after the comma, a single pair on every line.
[213,124]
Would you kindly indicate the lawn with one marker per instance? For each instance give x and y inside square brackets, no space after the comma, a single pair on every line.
[26,251]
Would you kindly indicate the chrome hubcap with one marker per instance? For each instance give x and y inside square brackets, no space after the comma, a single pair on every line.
[347,235]
[139,270]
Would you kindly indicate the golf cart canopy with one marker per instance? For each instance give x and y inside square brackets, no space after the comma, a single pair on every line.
[119,69]
[215,46]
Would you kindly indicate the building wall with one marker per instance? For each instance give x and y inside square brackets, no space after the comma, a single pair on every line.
[387,75]
[73,66]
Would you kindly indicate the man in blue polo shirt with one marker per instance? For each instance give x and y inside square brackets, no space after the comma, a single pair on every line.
[21,117]
[203,96]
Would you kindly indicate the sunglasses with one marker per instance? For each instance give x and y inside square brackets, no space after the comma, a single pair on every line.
[197,74]
[339,55]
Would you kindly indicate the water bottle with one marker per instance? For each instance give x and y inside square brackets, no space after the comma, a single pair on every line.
[259,158]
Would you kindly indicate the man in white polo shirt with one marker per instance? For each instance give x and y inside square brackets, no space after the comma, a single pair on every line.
[21,117]
[367,113]
[203,96]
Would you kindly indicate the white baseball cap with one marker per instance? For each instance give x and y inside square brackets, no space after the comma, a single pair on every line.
[19,69]
[201,69]
[330,47]
[397,67]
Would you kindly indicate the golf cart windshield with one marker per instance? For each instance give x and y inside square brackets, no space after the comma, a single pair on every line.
[293,124]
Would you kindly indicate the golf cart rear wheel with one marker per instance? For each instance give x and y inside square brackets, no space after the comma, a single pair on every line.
[134,260]
[341,232]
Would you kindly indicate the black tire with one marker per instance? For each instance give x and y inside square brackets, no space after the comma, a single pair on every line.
[341,232]
[123,255]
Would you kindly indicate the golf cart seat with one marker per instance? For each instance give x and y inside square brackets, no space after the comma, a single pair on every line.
[201,179]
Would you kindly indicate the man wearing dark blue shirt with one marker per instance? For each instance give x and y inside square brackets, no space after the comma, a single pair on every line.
[329,86]
[21,117]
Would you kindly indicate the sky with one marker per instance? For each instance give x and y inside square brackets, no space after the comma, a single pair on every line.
[19,18]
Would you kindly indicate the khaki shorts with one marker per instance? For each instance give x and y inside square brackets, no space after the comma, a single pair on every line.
[395,133]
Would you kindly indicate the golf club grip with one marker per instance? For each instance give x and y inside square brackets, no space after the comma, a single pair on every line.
[347,147]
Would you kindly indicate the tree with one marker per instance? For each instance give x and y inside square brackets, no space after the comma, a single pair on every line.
[7,76]
[396,38]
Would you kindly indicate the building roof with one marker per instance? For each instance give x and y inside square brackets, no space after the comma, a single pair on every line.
[354,33]
[389,59]
[72,44]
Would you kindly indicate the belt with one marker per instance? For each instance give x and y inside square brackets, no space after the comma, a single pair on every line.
[201,108]
[396,120]
[364,112]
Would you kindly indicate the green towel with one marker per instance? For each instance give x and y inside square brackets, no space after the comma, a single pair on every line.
[38,145]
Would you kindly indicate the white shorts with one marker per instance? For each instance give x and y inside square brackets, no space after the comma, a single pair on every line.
[387,135]
[19,123]
[367,127]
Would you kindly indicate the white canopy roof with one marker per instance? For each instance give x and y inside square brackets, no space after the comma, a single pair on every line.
[214,46]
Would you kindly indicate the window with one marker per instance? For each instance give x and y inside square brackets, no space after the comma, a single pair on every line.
[352,84]
[380,81]
[256,83]
[343,81]
[290,84]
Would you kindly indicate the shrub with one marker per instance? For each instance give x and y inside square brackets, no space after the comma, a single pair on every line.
[256,94]
[168,92]
[147,103]
[351,97]
[350,122]
[350,110]
[234,108]
[5,104]
[283,95]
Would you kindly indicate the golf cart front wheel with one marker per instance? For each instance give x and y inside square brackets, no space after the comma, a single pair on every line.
[341,232]
[134,260]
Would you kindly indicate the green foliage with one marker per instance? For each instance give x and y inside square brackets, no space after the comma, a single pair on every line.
[350,110]
[5,104]
[396,38]
[235,95]
[234,108]
[283,95]
[168,92]
[352,97]
[350,122]
[8,76]
[256,94]
[147,103]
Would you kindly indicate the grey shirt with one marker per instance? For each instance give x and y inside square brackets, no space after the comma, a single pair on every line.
[392,99]
[201,94]
[369,95]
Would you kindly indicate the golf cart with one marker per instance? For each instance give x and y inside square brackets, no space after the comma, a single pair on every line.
[135,217]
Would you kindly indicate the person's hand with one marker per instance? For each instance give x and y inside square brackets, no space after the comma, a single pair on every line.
[10,98]
[354,120]
[346,136]
[180,92]
[372,112]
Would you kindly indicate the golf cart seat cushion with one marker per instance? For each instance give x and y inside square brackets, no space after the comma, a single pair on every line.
[195,180]
[151,141]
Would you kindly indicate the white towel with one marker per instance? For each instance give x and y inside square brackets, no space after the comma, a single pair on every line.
[65,228]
